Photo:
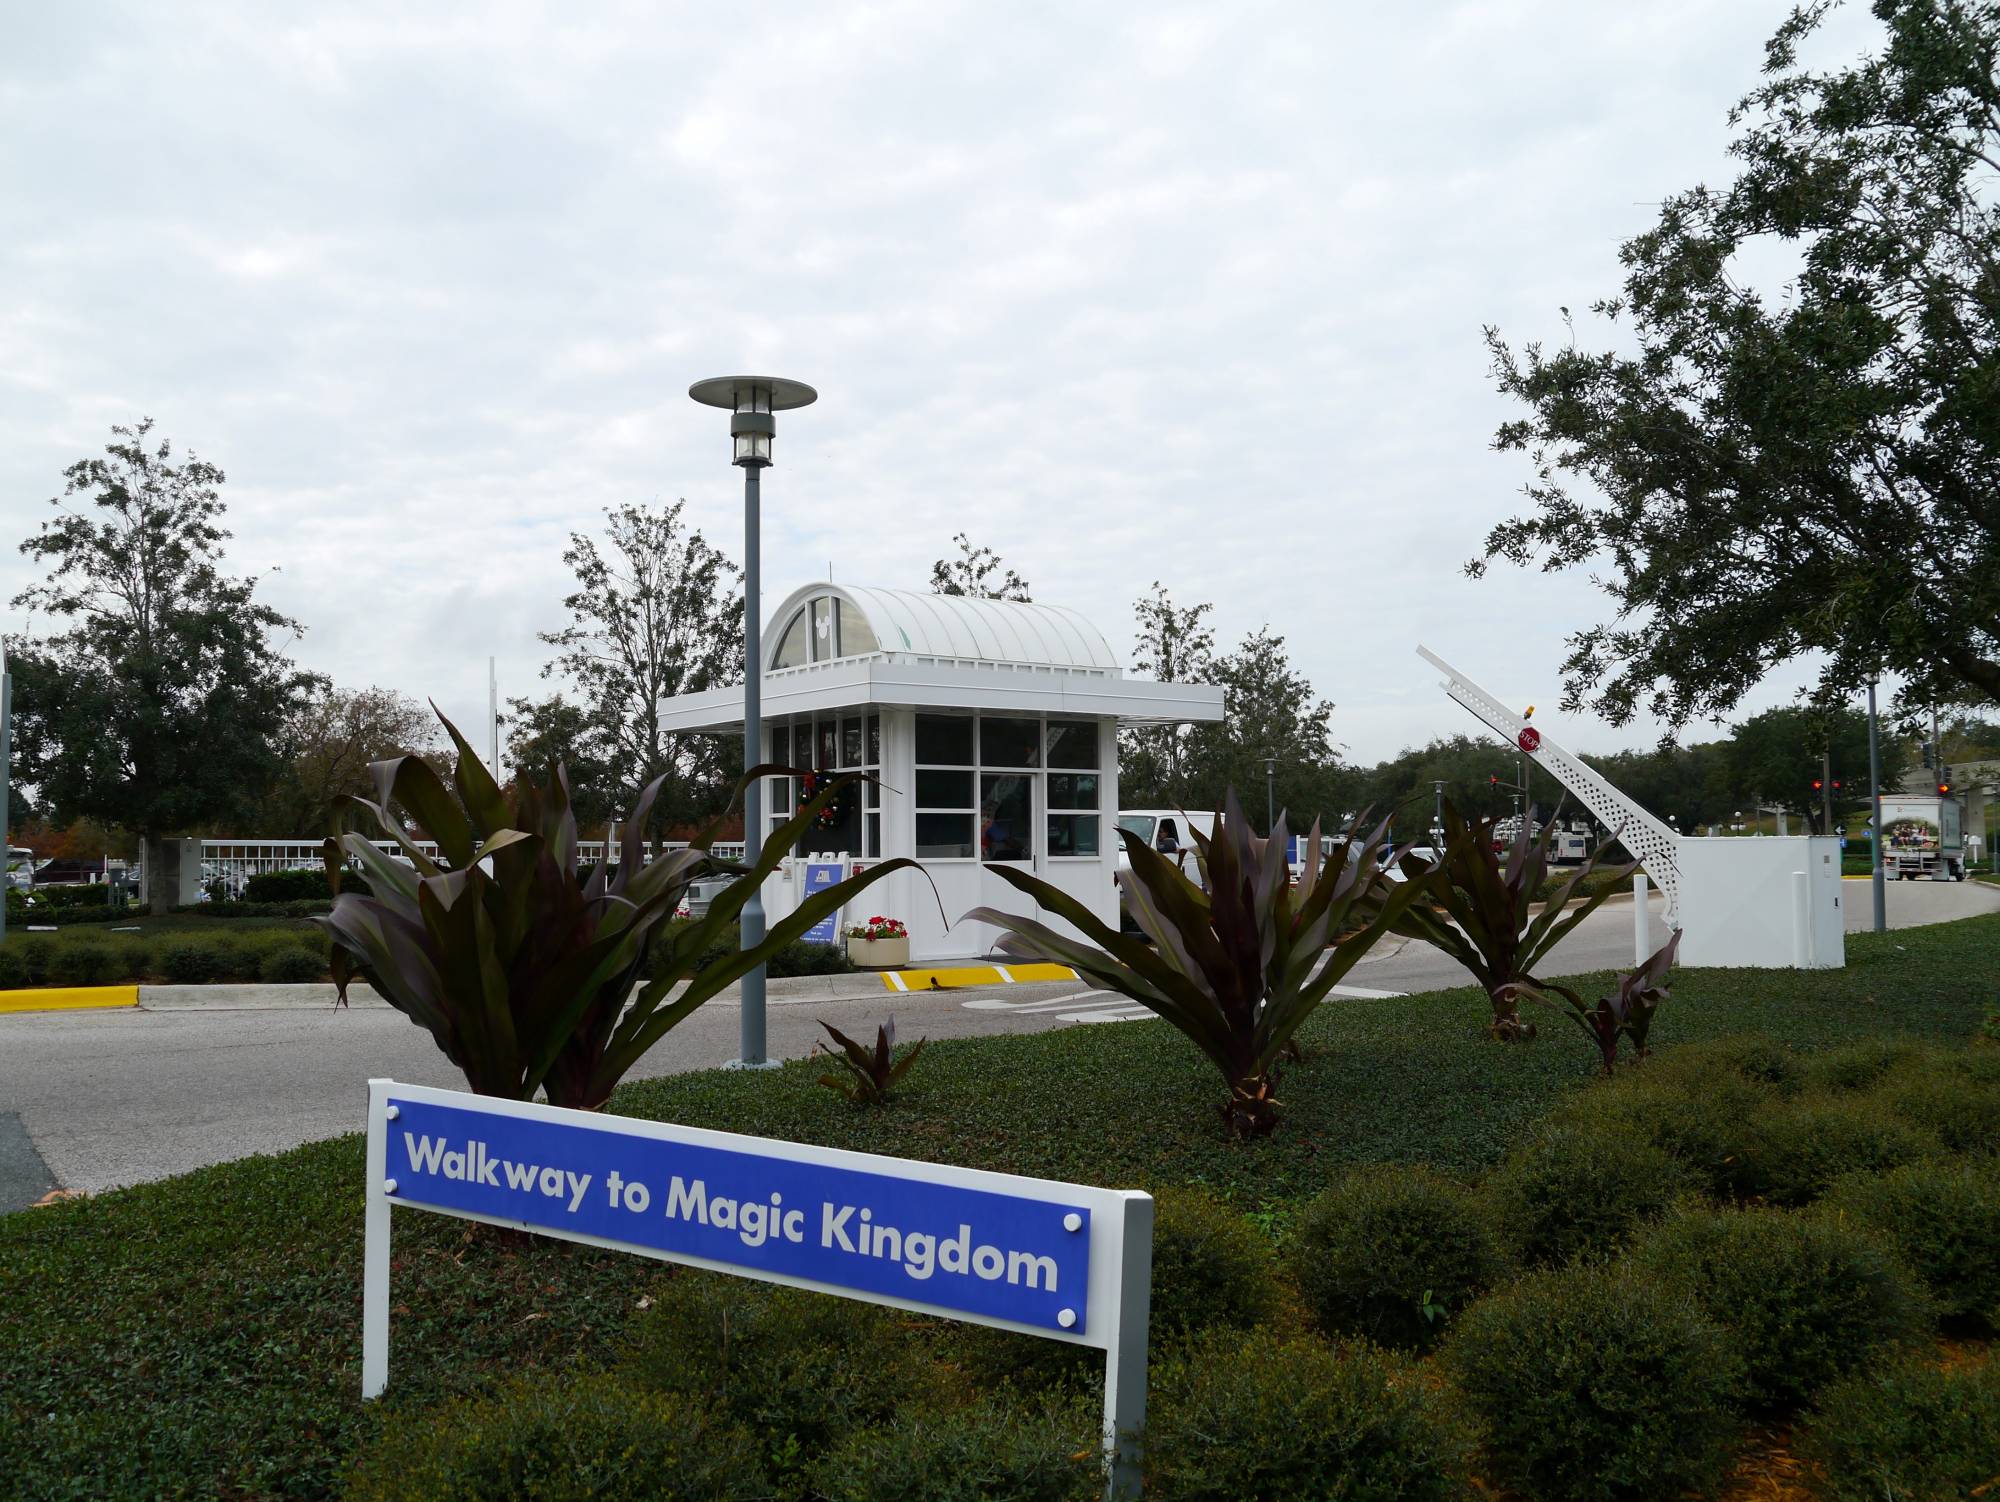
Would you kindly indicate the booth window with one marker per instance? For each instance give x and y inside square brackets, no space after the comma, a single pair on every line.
[944,787]
[823,642]
[1073,790]
[857,637]
[830,745]
[791,651]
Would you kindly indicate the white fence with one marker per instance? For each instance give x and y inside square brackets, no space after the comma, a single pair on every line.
[234,862]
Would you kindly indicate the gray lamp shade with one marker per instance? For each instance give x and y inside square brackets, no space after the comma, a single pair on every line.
[751,401]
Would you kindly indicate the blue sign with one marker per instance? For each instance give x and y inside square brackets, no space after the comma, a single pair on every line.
[819,876]
[968,1250]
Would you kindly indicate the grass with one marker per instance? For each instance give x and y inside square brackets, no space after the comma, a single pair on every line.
[201,1336]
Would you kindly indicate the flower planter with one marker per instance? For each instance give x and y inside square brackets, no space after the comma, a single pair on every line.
[879,954]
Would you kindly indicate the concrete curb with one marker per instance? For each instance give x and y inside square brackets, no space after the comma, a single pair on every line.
[258,997]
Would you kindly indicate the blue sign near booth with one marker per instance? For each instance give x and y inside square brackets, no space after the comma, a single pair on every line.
[819,876]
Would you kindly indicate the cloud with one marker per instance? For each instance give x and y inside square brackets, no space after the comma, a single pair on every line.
[1128,292]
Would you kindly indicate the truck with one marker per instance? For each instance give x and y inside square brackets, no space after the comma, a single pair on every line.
[1923,837]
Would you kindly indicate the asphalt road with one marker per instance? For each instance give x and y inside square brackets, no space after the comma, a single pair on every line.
[93,1100]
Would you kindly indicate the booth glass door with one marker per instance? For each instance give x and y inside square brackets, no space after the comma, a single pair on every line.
[1009,830]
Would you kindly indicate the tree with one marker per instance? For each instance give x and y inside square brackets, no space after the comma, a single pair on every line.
[1774,757]
[329,739]
[1808,475]
[660,614]
[1269,711]
[1174,644]
[543,733]
[971,573]
[162,707]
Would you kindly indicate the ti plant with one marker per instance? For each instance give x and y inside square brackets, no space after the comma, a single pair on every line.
[1627,1012]
[1237,960]
[1481,911]
[520,963]
[871,1073]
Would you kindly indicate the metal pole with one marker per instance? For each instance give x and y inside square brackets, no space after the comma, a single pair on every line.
[1270,794]
[493,716]
[1825,792]
[1875,800]
[750,1049]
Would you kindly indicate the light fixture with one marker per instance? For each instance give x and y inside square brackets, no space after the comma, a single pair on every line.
[752,401]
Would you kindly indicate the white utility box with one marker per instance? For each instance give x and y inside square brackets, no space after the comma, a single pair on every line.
[1772,903]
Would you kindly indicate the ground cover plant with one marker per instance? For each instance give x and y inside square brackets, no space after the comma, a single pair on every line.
[163,954]
[200,1336]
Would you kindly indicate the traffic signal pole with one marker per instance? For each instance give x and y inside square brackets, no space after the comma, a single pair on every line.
[1825,793]
[1875,812]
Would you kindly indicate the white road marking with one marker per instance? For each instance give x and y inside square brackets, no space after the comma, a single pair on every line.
[1108,1006]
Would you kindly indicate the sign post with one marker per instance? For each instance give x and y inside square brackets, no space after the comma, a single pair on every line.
[1066,1262]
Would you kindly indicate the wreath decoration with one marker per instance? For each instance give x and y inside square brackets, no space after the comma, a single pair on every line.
[828,817]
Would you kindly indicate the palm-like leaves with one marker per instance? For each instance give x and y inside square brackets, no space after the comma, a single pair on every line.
[871,1073]
[1237,961]
[1627,1012]
[1482,912]
[519,964]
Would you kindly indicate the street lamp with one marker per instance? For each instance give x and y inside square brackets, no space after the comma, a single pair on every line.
[1270,795]
[752,402]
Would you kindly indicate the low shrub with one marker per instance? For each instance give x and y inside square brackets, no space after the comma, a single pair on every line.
[37,953]
[82,895]
[1598,1383]
[85,963]
[191,961]
[1391,1253]
[1568,1189]
[1212,1269]
[291,965]
[1808,1300]
[1910,1433]
[300,908]
[1943,1220]
[796,958]
[13,969]
[1749,1057]
[1799,1149]
[308,885]
[1959,1109]
[561,1438]
[1708,1131]
[998,1450]
[1862,1065]
[800,1370]
[1237,1417]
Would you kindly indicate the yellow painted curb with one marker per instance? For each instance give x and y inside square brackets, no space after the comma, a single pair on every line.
[958,977]
[68,998]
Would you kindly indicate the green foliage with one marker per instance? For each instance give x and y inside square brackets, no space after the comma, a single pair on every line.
[1860,1066]
[192,962]
[868,1074]
[1807,1300]
[1944,1221]
[1598,1383]
[800,957]
[85,963]
[588,1439]
[1237,961]
[1910,1433]
[522,965]
[1393,1253]
[1799,1150]
[1212,1269]
[800,1370]
[1002,1449]
[161,705]
[1957,1109]
[298,886]
[1755,1059]
[291,965]
[86,895]
[1764,474]
[1567,1190]
[1481,909]
[13,969]
[1235,1417]
[1710,1132]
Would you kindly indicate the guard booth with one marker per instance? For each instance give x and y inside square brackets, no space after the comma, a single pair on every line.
[992,726]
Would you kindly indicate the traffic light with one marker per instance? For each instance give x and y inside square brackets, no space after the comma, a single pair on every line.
[1817,784]
[1930,754]
[1944,789]
[1836,784]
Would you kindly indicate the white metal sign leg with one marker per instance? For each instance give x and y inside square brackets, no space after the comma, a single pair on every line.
[375,1250]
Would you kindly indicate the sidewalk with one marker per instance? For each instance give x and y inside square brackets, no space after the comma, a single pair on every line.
[865,985]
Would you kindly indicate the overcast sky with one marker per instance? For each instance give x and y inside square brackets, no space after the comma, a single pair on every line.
[1129,292]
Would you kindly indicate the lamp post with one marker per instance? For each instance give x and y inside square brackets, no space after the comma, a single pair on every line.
[1270,795]
[1875,814]
[752,402]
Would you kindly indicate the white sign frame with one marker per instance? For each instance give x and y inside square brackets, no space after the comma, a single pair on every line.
[1120,1227]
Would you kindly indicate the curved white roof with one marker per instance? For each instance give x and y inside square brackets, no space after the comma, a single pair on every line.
[961,629]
